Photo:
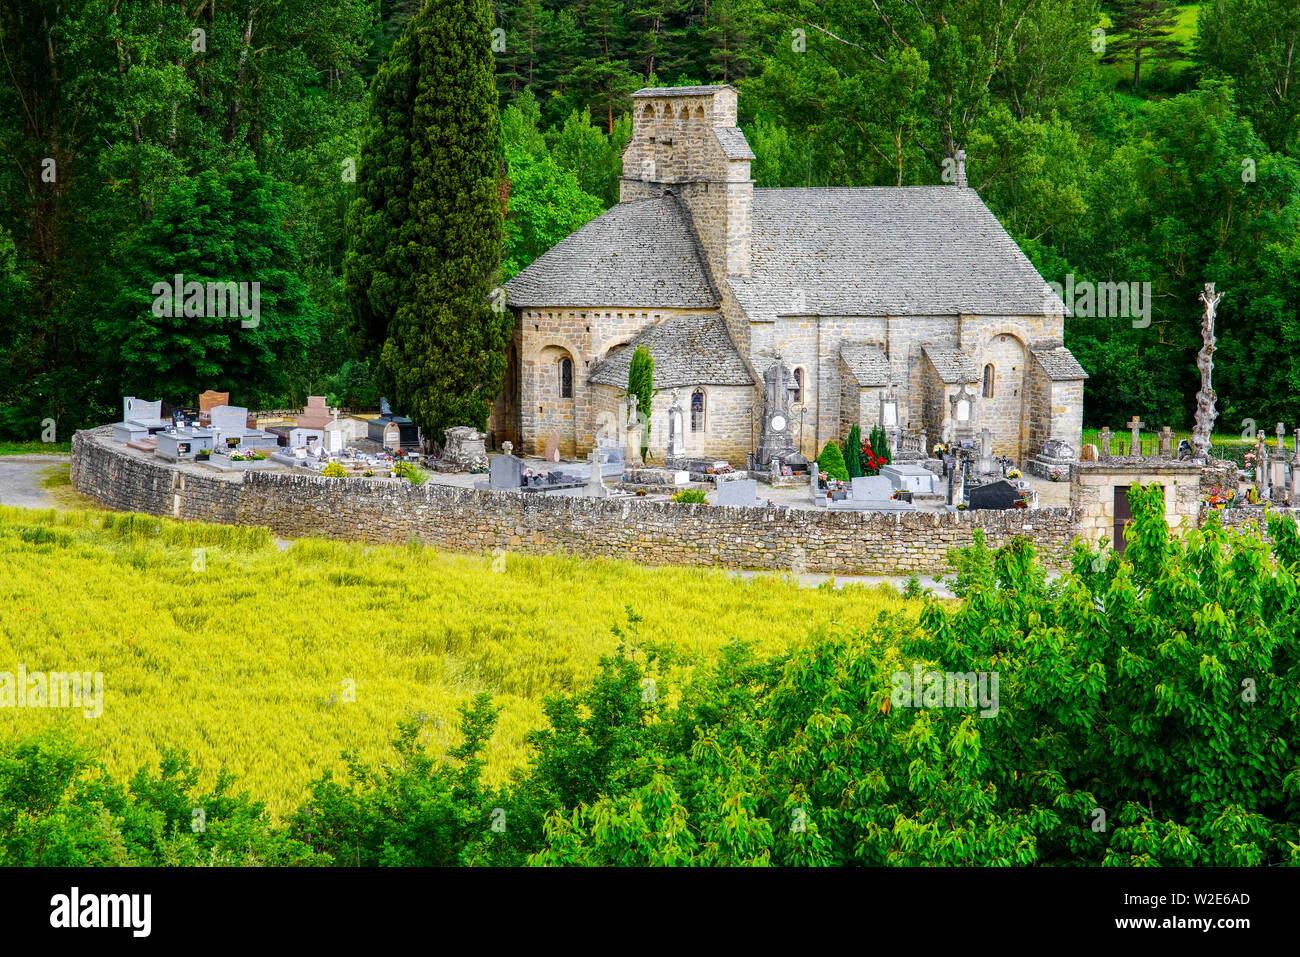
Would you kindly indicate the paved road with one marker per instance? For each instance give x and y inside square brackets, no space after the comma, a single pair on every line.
[20,479]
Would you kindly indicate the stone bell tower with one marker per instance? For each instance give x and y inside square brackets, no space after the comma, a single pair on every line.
[685,141]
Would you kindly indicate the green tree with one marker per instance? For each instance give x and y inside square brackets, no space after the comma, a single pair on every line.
[641,383]
[853,452]
[212,229]
[426,226]
[831,462]
[1143,31]
[1255,43]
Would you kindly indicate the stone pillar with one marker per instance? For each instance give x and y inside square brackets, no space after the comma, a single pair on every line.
[1166,442]
[1103,438]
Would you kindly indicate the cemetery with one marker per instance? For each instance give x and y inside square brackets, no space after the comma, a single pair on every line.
[893,504]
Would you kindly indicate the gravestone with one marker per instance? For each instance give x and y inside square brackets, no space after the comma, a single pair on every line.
[229,419]
[1166,441]
[316,415]
[463,449]
[1135,427]
[632,438]
[1103,443]
[917,478]
[957,483]
[506,473]
[986,464]
[738,492]
[138,410]
[305,438]
[676,429]
[995,495]
[775,441]
[872,488]
[595,481]
[210,400]
[336,435]
[553,446]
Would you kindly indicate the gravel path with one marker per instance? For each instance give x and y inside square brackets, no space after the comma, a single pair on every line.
[20,480]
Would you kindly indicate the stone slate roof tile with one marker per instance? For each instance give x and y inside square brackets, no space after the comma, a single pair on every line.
[1060,364]
[642,254]
[733,142]
[888,251]
[688,349]
[682,90]
[952,365]
[867,363]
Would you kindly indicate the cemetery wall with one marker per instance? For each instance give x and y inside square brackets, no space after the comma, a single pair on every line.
[134,481]
[468,520]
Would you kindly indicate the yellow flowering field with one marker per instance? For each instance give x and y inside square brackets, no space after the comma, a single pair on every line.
[273,661]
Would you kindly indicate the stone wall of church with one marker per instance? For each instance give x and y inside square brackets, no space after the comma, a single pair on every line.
[1056,411]
[545,336]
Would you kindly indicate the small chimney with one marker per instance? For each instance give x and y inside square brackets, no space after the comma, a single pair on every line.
[960,163]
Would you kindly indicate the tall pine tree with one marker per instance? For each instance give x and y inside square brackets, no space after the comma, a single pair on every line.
[425,229]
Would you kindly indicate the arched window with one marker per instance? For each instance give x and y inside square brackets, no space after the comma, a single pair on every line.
[796,394]
[988,381]
[566,378]
[697,410]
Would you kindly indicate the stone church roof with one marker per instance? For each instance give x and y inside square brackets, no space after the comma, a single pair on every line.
[867,363]
[658,91]
[889,251]
[642,254]
[1060,364]
[733,143]
[953,365]
[687,349]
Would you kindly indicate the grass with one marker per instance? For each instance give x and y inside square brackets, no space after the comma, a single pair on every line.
[212,640]
[36,448]
[1227,445]
[57,481]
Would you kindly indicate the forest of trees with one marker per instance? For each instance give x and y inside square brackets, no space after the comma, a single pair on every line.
[1125,141]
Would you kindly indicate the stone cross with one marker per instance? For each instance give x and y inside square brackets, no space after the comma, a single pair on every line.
[1135,427]
[1261,462]
[1166,442]
[1281,440]
[1103,438]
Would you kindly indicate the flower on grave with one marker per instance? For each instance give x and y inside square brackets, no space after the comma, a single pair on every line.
[1013,473]
[939,449]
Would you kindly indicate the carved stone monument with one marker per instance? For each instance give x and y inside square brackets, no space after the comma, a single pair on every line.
[464,450]
[775,443]
[676,430]
[633,436]
[1205,413]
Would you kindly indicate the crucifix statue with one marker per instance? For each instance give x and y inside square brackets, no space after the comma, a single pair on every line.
[1205,414]
[1135,427]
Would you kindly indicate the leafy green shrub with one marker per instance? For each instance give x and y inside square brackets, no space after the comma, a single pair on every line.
[690,496]
[410,472]
[853,453]
[831,462]
[333,470]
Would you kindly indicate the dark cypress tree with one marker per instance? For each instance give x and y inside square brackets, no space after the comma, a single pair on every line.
[853,452]
[425,228]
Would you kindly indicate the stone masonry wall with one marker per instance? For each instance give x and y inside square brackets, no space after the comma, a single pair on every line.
[133,481]
[655,533]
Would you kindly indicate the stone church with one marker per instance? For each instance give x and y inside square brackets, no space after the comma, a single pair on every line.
[909,306]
